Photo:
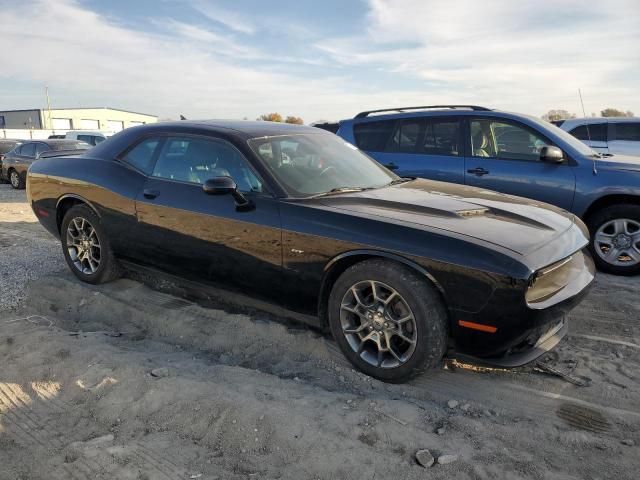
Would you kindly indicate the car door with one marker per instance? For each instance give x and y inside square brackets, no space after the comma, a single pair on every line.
[189,232]
[504,155]
[426,147]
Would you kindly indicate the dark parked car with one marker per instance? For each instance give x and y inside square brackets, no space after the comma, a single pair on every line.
[399,269]
[17,161]
[6,145]
[515,154]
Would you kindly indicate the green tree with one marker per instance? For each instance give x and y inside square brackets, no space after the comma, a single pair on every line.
[295,120]
[271,117]
[613,112]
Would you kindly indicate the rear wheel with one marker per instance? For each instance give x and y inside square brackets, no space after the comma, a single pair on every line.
[615,239]
[86,247]
[388,321]
[16,180]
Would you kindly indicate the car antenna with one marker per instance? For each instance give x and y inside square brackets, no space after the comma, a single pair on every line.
[586,124]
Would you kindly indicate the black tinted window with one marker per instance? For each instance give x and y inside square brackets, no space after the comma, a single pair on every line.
[597,132]
[28,150]
[141,156]
[407,135]
[373,136]
[628,131]
[196,160]
[442,138]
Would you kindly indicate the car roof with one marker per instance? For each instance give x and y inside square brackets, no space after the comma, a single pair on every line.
[54,141]
[570,122]
[244,128]
[86,132]
[439,112]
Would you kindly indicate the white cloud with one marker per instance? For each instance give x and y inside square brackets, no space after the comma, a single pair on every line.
[530,55]
[226,17]
[96,59]
[500,54]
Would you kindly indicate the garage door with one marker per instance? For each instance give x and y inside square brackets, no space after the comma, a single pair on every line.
[88,124]
[115,125]
[61,123]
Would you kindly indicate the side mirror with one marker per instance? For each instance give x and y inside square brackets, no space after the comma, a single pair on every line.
[219,186]
[225,186]
[551,154]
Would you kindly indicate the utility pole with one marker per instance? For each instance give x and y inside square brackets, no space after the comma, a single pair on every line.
[46,92]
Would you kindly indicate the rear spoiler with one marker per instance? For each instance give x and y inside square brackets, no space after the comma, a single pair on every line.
[61,153]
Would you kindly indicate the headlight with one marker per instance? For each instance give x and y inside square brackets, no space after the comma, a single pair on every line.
[550,280]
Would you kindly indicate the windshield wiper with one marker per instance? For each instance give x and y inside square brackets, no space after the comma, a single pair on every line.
[341,190]
[399,180]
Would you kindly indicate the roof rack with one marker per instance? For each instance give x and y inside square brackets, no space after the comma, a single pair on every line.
[426,107]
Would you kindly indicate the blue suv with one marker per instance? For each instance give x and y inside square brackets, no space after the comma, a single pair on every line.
[514,154]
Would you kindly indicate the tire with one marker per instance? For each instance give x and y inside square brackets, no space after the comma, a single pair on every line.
[96,264]
[617,226]
[414,297]
[16,180]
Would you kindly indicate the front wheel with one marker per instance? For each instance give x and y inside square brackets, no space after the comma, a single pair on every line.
[86,247]
[615,239]
[16,180]
[387,320]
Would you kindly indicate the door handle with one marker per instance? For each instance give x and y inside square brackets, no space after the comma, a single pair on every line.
[479,171]
[391,166]
[151,194]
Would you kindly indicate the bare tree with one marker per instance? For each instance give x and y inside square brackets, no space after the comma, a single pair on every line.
[555,115]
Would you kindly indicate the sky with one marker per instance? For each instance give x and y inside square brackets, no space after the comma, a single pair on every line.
[320,59]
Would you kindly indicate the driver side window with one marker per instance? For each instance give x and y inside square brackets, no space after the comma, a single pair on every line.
[196,160]
[495,139]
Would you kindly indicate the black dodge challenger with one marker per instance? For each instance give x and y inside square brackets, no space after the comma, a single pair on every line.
[401,270]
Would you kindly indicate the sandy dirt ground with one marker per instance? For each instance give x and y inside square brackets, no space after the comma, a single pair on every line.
[124,381]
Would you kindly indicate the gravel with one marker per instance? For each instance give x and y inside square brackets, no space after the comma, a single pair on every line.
[27,250]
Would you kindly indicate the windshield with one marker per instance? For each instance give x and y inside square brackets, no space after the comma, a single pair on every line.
[580,147]
[311,164]
[7,146]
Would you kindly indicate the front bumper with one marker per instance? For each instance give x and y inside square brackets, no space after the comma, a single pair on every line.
[526,332]
[513,359]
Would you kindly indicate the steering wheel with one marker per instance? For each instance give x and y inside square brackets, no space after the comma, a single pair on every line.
[326,170]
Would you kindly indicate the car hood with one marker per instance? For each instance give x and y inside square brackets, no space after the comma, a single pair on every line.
[619,162]
[515,223]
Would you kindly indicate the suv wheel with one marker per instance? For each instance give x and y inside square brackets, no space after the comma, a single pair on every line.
[388,321]
[16,181]
[615,239]
[86,247]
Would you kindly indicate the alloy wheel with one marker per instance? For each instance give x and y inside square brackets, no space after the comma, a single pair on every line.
[83,245]
[617,242]
[378,324]
[15,179]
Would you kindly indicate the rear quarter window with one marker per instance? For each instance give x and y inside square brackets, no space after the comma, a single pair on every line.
[373,136]
[596,132]
[141,156]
